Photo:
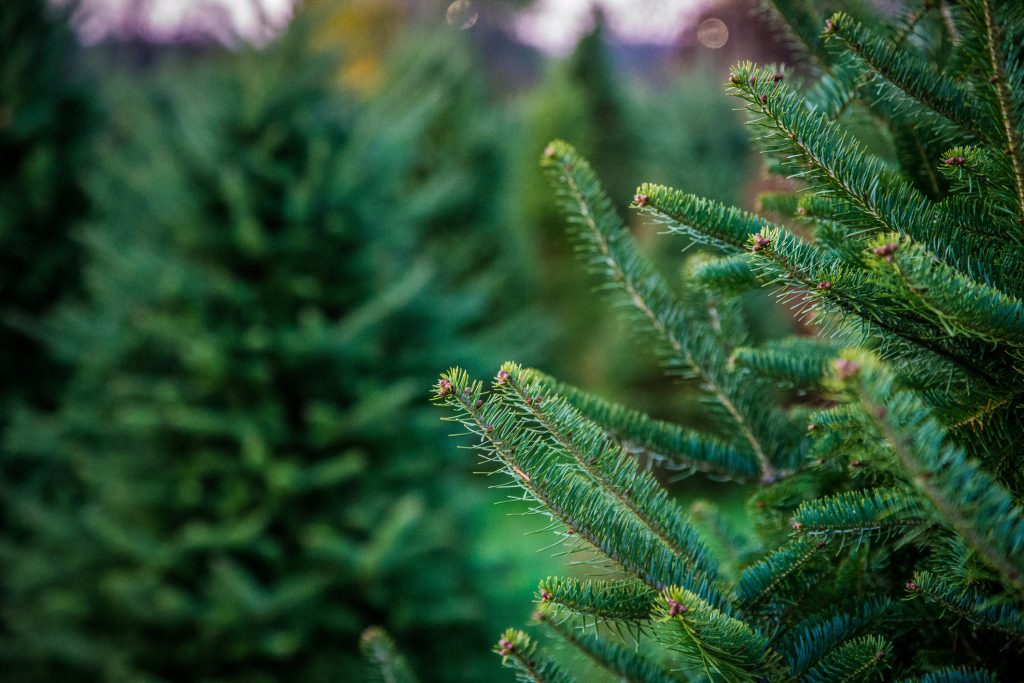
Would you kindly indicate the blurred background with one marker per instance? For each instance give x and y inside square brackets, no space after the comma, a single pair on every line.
[238,241]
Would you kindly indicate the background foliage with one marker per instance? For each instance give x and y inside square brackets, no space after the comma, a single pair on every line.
[227,277]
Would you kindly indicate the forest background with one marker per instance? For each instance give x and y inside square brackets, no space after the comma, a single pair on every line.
[230,268]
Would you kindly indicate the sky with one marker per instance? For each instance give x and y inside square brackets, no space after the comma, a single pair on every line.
[551,25]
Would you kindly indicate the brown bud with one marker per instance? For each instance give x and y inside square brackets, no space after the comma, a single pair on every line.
[640,200]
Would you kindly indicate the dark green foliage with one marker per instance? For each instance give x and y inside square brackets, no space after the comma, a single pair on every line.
[250,480]
[47,119]
[887,520]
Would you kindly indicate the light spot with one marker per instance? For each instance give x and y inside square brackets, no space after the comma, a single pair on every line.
[713,33]
[462,15]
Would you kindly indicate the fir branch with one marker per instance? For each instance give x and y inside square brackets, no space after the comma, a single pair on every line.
[621,601]
[815,637]
[860,515]
[662,442]
[519,653]
[970,602]
[793,361]
[954,675]
[614,470]
[624,664]
[954,302]
[727,274]
[724,647]
[606,244]
[831,156]
[1011,125]
[767,578]
[908,72]
[963,494]
[788,260]
[568,496]
[861,659]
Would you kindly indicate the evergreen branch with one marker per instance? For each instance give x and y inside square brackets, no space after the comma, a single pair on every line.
[798,265]
[908,72]
[951,675]
[724,647]
[831,156]
[955,302]
[860,515]
[726,274]
[861,659]
[795,361]
[969,499]
[627,666]
[567,495]
[519,653]
[604,241]
[815,637]
[387,665]
[991,612]
[622,601]
[766,578]
[615,471]
[662,442]
[1011,125]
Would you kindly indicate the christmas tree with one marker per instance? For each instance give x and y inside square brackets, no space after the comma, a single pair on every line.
[884,538]
[248,477]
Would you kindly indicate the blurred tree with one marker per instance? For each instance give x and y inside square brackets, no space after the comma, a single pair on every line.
[46,121]
[668,129]
[252,478]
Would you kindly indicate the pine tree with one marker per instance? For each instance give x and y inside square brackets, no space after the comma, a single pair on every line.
[884,538]
[249,478]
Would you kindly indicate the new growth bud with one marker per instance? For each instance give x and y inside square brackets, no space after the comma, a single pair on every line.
[845,369]
[886,250]
[761,241]
[676,608]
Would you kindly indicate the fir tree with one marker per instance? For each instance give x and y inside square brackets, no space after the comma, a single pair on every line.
[884,538]
[46,125]
[267,282]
